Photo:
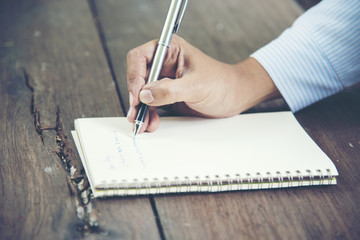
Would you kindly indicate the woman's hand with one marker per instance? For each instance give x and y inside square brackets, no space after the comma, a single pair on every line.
[193,83]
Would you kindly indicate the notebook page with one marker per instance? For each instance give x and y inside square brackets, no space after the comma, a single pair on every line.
[196,147]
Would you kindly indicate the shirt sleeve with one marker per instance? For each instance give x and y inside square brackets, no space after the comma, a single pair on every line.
[318,56]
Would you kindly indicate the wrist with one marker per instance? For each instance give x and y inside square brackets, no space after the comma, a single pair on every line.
[254,84]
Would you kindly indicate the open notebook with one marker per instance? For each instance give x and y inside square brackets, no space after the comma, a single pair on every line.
[187,154]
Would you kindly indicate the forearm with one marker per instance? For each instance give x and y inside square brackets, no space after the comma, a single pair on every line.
[253,85]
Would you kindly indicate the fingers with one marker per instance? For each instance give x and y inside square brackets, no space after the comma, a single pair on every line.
[151,123]
[154,120]
[138,60]
[169,91]
[164,92]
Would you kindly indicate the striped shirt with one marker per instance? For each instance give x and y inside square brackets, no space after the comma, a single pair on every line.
[318,56]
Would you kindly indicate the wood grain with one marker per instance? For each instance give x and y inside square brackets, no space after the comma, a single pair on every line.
[53,70]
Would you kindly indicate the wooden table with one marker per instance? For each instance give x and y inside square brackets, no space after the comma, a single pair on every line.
[61,60]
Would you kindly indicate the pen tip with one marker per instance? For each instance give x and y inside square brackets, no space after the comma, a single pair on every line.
[136,129]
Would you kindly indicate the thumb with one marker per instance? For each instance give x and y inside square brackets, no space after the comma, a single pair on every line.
[169,91]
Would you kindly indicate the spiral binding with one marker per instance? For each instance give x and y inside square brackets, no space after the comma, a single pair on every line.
[217,183]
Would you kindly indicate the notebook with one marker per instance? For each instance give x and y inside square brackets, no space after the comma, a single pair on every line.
[189,154]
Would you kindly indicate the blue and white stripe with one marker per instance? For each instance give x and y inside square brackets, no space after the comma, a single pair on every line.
[318,56]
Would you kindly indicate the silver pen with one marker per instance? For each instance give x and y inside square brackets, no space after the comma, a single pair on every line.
[171,26]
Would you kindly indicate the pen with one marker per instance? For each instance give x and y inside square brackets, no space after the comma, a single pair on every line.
[171,26]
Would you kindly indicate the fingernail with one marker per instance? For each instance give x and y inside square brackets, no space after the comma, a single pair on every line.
[130,112]
[131,99]
[146,96]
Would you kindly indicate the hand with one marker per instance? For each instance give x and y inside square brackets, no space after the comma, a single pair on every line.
[194,83]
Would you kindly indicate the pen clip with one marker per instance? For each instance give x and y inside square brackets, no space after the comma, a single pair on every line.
[180,16]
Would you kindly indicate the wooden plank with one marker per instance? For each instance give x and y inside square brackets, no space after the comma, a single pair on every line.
[53,70]
[334,124]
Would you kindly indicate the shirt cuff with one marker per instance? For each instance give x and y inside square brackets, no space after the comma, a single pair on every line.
[299,68]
